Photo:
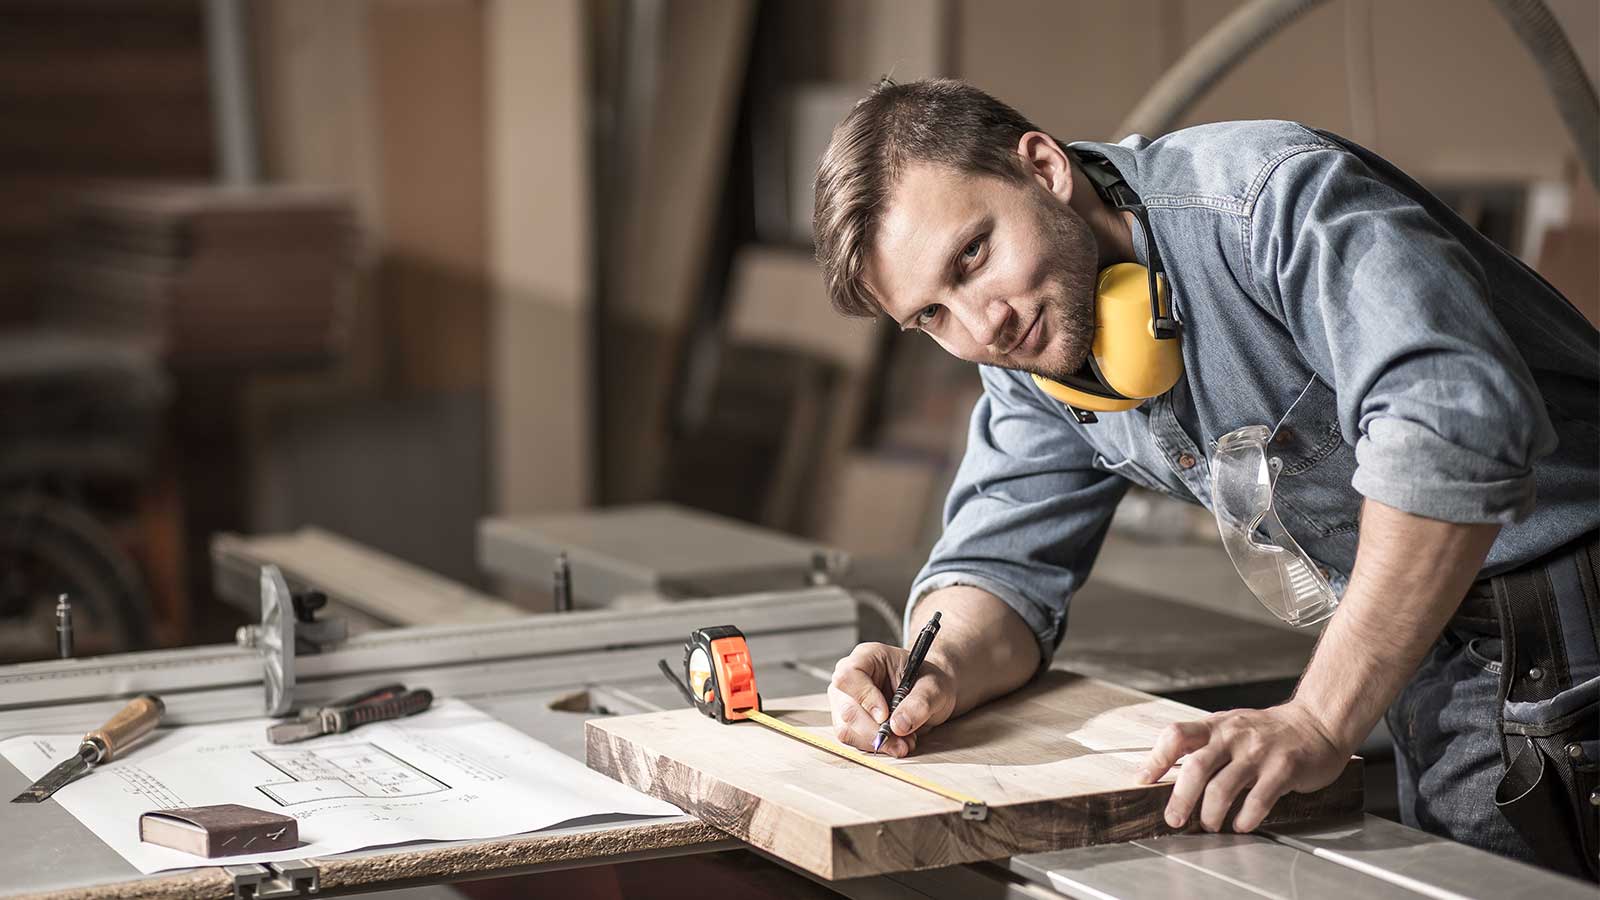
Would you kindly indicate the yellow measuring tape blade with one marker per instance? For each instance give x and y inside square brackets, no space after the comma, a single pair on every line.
[971,807]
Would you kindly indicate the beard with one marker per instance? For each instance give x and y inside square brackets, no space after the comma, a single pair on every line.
[1071,268]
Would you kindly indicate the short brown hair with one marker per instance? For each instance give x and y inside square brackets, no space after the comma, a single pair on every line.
[941,121]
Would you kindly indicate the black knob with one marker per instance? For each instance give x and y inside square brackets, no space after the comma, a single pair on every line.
[307,604]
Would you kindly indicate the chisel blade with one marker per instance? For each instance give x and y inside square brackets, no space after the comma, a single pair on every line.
[58,777]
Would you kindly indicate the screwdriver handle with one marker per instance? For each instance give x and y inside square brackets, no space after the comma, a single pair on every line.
[131,723]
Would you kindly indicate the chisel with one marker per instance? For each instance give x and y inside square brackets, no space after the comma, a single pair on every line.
[102,745]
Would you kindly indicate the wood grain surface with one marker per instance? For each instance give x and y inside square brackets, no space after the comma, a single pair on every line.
[1055,761]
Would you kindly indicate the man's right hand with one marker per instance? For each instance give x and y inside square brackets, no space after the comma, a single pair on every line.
[859,696]
[983,646]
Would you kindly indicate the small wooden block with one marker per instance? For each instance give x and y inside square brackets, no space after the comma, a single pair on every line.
[1054,761]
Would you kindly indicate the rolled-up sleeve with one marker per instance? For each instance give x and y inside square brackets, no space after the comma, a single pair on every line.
[1028,510]
[1392,310]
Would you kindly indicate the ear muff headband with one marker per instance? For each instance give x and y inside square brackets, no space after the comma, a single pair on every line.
[1135,353]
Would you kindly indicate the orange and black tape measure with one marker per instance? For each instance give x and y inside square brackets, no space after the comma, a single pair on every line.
[720,674]
[720,680]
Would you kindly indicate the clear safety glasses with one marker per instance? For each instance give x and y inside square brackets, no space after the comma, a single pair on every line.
[1269,560]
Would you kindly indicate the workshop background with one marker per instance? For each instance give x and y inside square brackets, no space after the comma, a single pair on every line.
[387,267]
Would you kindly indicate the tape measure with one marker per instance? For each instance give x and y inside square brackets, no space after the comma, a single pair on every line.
[719,679]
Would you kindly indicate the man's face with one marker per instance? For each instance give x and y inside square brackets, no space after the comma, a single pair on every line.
[997,272]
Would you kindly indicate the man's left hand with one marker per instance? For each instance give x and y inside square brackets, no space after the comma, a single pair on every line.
[1267,752]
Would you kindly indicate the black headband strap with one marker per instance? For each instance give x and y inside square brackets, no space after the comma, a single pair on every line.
[1115,190]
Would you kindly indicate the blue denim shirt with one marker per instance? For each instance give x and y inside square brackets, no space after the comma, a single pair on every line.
[1408,359]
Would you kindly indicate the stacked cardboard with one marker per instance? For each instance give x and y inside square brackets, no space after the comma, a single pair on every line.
[219,276]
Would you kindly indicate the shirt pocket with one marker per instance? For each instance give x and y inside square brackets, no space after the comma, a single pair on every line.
[1313,493]
[1132,471]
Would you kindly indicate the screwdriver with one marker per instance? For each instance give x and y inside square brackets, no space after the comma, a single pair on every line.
[102,745]
[908,677]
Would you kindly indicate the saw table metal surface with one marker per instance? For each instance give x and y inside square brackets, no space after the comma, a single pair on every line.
[541,674]
[1361,857]
[522,672]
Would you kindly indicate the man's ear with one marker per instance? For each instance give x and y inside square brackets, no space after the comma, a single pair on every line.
[1047,163]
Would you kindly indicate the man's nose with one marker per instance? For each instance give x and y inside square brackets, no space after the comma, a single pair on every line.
[984,318]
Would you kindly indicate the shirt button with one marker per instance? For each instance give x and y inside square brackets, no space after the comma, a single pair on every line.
[1283,438]
[1185,461]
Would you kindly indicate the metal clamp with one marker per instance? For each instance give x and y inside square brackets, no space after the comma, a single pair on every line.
[288,626]
[289,878]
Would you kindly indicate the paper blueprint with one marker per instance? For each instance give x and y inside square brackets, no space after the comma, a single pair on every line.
[451,773]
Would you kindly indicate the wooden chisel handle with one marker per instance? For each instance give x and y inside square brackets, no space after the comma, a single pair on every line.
[131,723]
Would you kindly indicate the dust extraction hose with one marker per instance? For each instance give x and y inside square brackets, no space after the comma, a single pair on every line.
[1226,45]
[1212,57]
[1563,74]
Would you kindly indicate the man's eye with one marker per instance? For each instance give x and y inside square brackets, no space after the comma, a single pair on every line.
[971,251]
[927,315]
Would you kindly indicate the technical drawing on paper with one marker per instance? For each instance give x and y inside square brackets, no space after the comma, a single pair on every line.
[346,771]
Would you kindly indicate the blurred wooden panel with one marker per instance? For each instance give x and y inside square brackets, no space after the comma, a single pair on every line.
[880,504]
[1567,259]
[905,39]
[777,297]
[541,371]
[316,97]
[1074,68]
[428,91]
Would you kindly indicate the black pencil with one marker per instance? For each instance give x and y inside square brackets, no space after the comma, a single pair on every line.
[908,677]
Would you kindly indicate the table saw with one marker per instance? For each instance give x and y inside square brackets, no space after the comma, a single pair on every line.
[523,670]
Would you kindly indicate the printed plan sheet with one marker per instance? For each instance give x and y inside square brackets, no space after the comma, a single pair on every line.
[451,773]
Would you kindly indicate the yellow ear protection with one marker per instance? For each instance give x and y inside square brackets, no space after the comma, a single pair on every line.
[1135,354]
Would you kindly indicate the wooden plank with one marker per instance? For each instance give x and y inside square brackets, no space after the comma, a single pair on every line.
[1054,761]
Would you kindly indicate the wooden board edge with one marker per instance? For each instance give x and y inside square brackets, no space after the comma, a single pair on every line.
[667,779]
[1081,821]
[492,858]
[194,884]
[878,848]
